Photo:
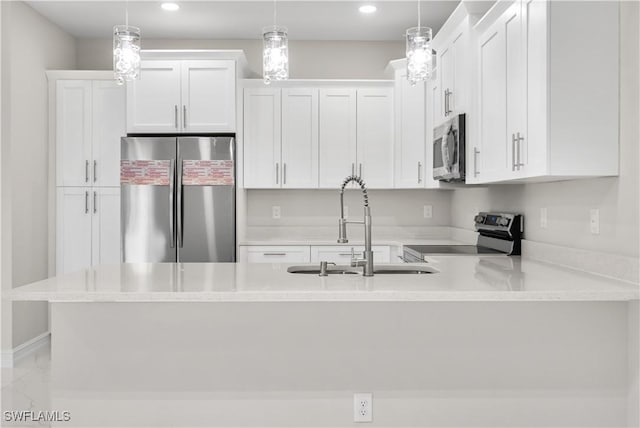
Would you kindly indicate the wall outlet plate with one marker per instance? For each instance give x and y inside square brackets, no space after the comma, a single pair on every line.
[275,212]
[428,211]
[594,221]
[543,218]
[363,407]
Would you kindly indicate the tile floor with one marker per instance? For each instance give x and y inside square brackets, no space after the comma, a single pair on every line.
[27,386]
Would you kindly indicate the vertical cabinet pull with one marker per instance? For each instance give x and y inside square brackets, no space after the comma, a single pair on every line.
[277,173]
[419,172]
[475,161]
[86,171]
[184,117]
[86,202]
[520,140]
[95,171]
[284,173]
[95,202]
[175,116]
[513,152]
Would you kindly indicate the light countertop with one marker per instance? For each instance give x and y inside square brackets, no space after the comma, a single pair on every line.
[458,278]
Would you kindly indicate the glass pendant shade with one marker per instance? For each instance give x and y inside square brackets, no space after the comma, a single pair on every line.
[275,65]
[419,54]
[126,53]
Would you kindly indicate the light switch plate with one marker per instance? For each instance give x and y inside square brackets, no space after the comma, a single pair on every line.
[594,221]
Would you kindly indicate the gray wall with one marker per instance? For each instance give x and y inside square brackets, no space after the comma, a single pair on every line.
[568,203]
[31,44]
[308,59]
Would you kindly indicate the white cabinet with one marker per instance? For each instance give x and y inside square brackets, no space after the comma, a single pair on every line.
[342,254]
[89,124]
[337,127]
[274,254]
[88,227]
[374,146]
[537,119]
[262,135]
[299,138]
[281,138]
[182,97]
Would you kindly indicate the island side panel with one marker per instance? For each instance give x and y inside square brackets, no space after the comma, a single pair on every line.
[437,363]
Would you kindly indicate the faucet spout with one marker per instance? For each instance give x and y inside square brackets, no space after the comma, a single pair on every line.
[367,256]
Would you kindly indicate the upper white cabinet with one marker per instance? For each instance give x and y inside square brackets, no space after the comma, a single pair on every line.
[280,138]
[337,126]
[356,136]
[182,96]
[538,118]
[89,123]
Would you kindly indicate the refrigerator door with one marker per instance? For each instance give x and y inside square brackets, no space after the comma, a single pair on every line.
[206,199]
[147,180]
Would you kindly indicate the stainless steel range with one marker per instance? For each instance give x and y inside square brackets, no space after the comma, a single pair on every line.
[498,234]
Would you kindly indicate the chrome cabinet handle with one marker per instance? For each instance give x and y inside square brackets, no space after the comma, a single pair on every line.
[86,202]
[95,171]
[475,161]
[446,102]
[179,207]
[95,202]
[172,182]
[86,171]
[519,140]
[513,152]
[419,172]
[345,254]
[274,254]
[360,170]
[175,116]
[277,173]
[184,117]
[284,173]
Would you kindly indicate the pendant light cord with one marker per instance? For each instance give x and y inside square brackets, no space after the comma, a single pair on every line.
[274,13]
[418,13]
[126,13]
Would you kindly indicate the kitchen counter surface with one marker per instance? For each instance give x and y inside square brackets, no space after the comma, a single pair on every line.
[458,278]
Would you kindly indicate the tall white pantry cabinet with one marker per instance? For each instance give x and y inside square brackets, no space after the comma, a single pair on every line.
[89,121]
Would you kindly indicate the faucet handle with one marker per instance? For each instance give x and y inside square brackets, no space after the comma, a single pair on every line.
[323,268]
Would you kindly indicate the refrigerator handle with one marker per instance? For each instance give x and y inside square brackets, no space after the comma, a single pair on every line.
[172,180]
[179,208]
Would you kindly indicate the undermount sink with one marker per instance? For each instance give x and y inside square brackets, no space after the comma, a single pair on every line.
[377,270]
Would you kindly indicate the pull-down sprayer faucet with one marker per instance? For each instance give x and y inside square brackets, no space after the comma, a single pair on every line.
[367,256]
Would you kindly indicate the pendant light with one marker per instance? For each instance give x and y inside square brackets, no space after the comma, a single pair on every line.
[126,51]
[275,54]
[419,54]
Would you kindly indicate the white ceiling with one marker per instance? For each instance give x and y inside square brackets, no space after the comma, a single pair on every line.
[306,20]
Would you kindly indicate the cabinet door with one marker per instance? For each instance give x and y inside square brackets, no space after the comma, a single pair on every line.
[492,107]
[275,254]
[299,138]
[108,123]
[208,96]
[153,102]
[73,229]
[342,254]
[375,137]
[73,132]
[411,117]
[516,89]
[262,167]
[337,136]
[105,204]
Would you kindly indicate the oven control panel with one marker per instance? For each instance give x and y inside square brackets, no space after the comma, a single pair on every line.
[505,222]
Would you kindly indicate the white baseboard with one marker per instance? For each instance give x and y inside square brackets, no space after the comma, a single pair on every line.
[9,358]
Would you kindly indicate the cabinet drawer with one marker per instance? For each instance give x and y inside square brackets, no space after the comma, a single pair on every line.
[274,254]
[342,254]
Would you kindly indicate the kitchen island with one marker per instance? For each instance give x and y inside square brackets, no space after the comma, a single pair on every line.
[493,341]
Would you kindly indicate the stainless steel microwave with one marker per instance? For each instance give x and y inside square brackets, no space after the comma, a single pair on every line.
[449,149]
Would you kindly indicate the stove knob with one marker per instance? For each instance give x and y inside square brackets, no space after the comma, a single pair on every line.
[479,219]
[503,221]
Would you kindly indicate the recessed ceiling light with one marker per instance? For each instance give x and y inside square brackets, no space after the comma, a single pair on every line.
[170,6]
[367,8]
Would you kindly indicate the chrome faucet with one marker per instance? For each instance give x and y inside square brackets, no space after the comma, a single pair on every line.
[367,256]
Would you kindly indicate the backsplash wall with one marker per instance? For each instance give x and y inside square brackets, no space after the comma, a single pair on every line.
[322,207]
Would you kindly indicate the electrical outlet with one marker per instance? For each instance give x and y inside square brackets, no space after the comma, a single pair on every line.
[275,212]
[595,221]
[428,211]
[363,407]
[543,218]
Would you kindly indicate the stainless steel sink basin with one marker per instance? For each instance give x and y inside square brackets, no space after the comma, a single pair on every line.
[378,270]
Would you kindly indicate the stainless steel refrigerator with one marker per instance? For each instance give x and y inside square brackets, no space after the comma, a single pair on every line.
[178,199]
